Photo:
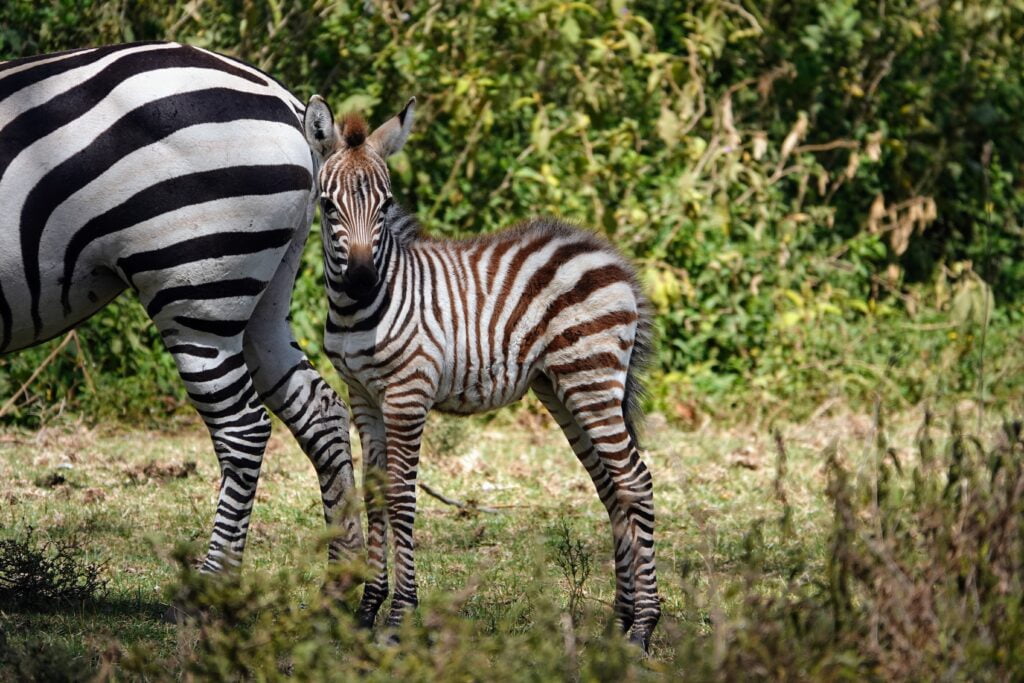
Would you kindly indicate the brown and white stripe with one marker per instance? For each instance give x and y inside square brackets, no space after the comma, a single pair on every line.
[467,326]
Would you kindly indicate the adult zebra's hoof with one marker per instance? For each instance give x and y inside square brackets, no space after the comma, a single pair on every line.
[389,637]
[180,615]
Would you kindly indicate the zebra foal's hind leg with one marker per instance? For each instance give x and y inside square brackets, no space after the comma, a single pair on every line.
[582,446]
[596,405]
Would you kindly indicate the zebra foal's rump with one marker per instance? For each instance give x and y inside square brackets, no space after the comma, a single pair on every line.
[466,326]
[183,175]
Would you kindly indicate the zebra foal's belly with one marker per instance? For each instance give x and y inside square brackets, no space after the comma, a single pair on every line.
[480,391]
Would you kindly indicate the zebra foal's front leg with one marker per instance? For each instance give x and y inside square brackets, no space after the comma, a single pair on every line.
[368,421]
[404,429]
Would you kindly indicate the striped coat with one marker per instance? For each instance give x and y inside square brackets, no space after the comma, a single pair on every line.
[184,176]
[417,324]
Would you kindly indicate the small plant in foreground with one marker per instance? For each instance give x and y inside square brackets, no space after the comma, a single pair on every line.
[574,558]
[44,576]
[922,579]
[253,626]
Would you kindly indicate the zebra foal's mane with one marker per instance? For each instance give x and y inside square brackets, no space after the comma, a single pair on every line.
[405,227]
[354,129]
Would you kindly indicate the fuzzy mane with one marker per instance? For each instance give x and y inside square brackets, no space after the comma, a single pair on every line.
[403,225]
[353,130]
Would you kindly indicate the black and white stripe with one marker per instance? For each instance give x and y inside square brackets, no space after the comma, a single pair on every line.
[417,324]
[184,175]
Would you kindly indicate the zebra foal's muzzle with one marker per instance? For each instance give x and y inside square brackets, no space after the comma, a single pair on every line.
[360,277]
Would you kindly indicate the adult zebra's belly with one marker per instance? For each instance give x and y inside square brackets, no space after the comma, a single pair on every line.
[92,290]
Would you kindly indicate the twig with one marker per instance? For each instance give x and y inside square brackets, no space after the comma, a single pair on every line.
[826,146]
[986,159]
[569,639]
[514,166]
[189,11]
[53,354]
[431,491]
[83,363]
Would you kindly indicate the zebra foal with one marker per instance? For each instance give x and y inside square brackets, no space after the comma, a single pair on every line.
[184,175]
[417,324]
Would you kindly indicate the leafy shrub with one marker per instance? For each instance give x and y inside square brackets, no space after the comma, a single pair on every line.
[45,576]
[809,189]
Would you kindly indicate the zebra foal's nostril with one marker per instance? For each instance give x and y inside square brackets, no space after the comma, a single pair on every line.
[360,277]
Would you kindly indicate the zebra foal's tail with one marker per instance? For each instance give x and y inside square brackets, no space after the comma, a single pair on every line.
[643,348]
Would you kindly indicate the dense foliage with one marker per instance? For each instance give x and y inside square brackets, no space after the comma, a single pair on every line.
[824,198]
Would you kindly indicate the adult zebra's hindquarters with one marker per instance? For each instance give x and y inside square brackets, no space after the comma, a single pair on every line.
[468,326]
[183,175]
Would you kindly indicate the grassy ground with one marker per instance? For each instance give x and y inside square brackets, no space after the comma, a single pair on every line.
[130,496]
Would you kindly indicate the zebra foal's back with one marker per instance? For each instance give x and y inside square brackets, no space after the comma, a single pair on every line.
[512,302]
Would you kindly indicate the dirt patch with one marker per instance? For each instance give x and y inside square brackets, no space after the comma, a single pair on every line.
[161,471]
[50,480]
[93,495]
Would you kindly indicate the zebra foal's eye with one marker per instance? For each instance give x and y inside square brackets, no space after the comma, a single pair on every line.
[330,211]
[385,207]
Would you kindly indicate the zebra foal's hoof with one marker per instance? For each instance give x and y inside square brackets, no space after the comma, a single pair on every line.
[341,591]
[640,640]
[365,619]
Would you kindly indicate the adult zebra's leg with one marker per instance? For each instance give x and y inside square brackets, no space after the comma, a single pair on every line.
[621,537]
[370,424]
[598,409]
[302,399]
[307,404]
[403,425]
[221,389]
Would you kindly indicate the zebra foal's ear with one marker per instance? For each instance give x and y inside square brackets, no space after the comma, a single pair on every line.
[391,135]
[319,127]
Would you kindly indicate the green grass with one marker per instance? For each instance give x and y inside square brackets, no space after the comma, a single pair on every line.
[721,536]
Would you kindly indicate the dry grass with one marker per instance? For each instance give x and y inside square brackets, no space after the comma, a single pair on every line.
[130,497]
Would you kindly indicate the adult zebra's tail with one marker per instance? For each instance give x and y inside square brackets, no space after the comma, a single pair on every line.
[640,358]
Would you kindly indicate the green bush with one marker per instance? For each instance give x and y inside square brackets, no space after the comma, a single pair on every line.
[814,193]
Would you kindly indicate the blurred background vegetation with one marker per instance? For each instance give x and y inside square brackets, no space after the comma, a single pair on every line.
[824,198]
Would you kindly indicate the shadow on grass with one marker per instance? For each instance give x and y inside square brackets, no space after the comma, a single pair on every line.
[105,605]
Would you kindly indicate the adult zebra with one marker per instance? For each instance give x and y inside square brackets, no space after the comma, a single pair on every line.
[184,175]
[468,326]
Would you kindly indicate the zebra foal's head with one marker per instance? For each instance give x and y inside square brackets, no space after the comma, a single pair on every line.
[355,186]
